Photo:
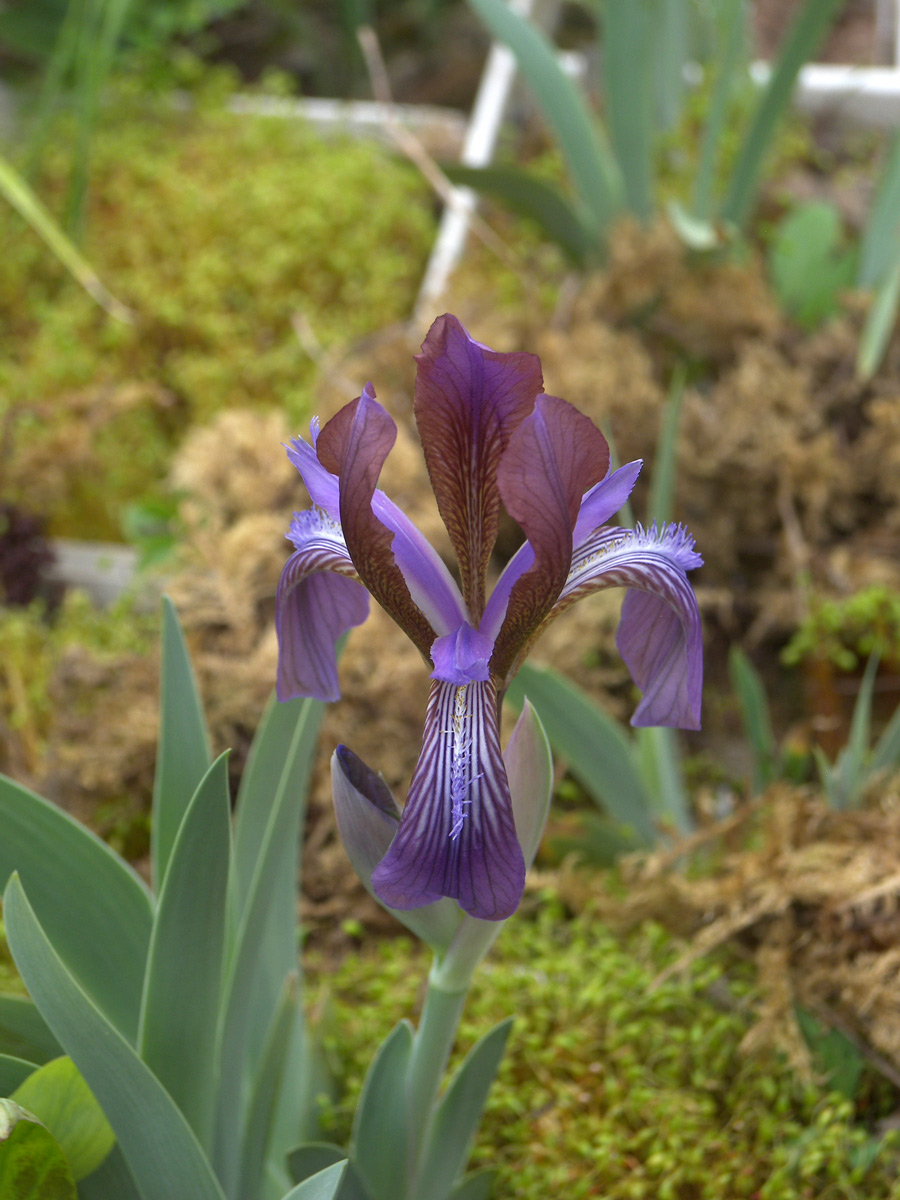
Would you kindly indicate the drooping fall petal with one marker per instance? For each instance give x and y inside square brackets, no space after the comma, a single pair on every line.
[553,458]
[659,633]
[319,598]
[469,400]
[457,835]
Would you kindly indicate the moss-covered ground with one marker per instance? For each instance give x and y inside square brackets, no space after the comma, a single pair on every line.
[218,231]
[612,1086]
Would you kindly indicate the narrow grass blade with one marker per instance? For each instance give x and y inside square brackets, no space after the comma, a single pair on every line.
[886,754]
[183,754]
[670,54]
[592,743]
[183,982]
[24,1032]
[660,757]
[535,199]
[378,1146]
[459,1113]
[628,75]
[162,1153]
[851,767]
[592,166]
[806,33]
[880,243]
[727,64]
[96,910]
[665,463]
[15,190]
[755,718]
[880,323]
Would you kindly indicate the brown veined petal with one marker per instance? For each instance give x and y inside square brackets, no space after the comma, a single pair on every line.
[553,458]
[469,400]
[353,445]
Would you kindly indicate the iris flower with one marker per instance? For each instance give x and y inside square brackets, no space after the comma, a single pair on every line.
[490,437]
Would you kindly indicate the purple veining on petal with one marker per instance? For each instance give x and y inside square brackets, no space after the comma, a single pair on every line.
[605,499]
[659,633]
[457,836]
[321,484]
[353,446]
[462,657]
[319,598]
[553,458]
[469,400]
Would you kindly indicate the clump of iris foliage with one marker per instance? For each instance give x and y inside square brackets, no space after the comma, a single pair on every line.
[216,230]
[615,1087]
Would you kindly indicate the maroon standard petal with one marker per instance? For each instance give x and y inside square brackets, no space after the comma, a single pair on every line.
[353,446]
[553,458]
[469,399]
[457,835]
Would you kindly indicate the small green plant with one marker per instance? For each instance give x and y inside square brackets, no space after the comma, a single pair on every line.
[846,632]
[810,263]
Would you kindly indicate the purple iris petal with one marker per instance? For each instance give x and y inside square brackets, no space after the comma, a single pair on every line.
[659,632]
[353,446]
[597,505]
[555,455]
[457,836]
[462,657]
[469,400]
[321,484]
[319,598]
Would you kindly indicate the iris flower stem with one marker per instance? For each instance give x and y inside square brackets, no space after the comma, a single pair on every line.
[433,1042]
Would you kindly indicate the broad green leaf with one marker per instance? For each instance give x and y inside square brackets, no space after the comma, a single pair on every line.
[266,1089]
[183,754]
[13,1072]
[591,164]
[111,1181]
[836,1056]
[529,770]
[274,866]
[309,1159]
[159,1146]
[32,1165]
[459,1112]
[24,1032]
[880,243]
[810,265]
[17,192]
[479,1185]
[535,199]
[60,1099]
[378,1144]
[323,1186]
[755,717]
[880,322]
[806,33]
[96,910]
[183,984]
[279,766]
[593,744]
[629,68]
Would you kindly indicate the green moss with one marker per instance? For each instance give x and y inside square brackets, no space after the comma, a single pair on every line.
[217,230]
[612,1086]
[848,631]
